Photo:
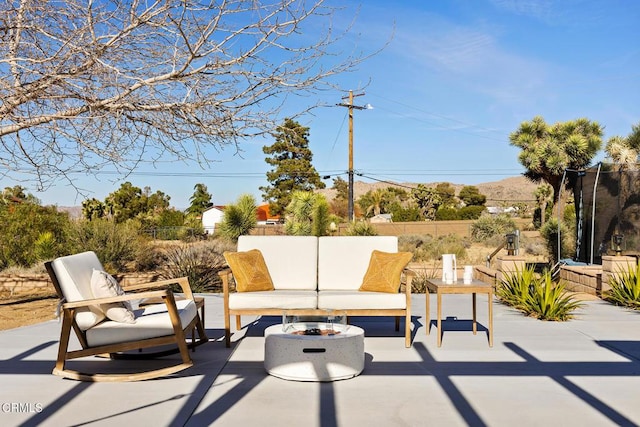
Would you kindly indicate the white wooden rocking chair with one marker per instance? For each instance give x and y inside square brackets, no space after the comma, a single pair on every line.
[156,325]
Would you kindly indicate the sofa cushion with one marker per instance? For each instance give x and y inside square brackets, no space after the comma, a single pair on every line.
[74,276]
[249,271]
[104,285]
[384,271]
[356,300]
[151,322]
[292,260]
[281,299]
[343,260]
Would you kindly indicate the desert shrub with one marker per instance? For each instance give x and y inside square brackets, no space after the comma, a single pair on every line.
[417,244]
[549,233]
[419,281]
[537,296]
[489,226]
[200,262]
[424,247]
[447,214]
[471,212]
[625,288]
[361,228]
[117,245]
[26,224]
[450,244]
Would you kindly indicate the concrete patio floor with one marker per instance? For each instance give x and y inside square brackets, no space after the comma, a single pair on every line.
[584,372]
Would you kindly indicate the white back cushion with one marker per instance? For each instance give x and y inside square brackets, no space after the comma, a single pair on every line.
[343,261]
[74,275]
[292,260]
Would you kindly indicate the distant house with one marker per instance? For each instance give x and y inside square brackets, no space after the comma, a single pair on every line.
[215,214]
[211,217]
[264,217]
[381,218]
[495,210]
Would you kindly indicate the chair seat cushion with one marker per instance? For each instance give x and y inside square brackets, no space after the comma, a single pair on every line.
[356,300]
[285,299]
[151,322]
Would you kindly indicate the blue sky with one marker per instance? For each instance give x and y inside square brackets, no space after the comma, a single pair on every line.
[456,78]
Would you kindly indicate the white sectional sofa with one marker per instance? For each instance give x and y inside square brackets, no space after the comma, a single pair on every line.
[311,275]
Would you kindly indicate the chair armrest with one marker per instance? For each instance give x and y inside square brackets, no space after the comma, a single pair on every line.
[225,275]
[127,297]
[182,281]
[409,275]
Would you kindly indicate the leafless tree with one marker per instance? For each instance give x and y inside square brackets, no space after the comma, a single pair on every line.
[89,83]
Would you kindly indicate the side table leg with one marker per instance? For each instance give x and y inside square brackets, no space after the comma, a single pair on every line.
[439,318]
[474,324]
[428,314]
[490,297]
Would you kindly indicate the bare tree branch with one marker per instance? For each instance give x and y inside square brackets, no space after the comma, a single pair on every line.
[89,83]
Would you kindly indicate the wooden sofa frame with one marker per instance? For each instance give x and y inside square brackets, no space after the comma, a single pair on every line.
[226,275]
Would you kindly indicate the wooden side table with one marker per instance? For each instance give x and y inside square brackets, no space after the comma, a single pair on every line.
[475,287]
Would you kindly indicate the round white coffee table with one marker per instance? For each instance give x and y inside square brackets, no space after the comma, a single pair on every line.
[314,357]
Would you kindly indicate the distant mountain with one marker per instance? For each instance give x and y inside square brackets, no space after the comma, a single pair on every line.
[506,191]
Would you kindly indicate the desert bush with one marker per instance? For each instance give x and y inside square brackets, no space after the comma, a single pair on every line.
[361,228]
[26,224]
[425,247]
[471,212]
[549,233]
[537,296]
[200,262]
[489,226]
[625,288]
[419,281]
[447,214]
[117,245]
[417,244]
[450,244]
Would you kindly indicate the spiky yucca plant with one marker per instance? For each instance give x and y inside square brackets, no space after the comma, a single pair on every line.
[515,288]
[537,296]
[625,288]
[548,301]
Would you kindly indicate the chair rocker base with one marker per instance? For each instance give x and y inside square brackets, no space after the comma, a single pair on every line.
[138,376]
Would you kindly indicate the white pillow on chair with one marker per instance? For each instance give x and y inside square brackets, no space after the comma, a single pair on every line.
[104,285]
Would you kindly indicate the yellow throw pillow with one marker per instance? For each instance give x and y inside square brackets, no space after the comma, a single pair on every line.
[385,269]
[249,270]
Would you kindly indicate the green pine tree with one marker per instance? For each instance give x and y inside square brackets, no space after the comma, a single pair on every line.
[292,170]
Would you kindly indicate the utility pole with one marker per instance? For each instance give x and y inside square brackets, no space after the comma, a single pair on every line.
[351,107]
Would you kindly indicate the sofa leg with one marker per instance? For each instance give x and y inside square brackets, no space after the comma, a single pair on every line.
[407,331]
[238,323]
[397,323]
[227,331]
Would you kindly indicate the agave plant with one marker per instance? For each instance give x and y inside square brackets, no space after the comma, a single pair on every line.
[516,288]
[550,302]
[625,288]
[537,296]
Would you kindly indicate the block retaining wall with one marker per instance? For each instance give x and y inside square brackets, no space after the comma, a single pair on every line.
[22,284]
